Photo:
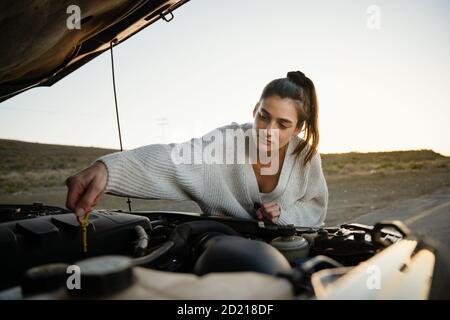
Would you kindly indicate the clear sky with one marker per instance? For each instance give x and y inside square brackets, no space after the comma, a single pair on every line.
[379,89]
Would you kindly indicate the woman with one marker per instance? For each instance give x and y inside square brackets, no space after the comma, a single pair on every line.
[287,186]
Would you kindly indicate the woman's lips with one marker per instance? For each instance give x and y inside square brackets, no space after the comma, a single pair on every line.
[266,141]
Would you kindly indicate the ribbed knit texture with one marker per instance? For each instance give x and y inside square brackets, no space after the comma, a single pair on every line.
[230,189]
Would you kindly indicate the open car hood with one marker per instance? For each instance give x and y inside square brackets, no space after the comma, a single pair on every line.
[38,49]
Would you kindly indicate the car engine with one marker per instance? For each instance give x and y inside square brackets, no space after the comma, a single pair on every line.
[40,244]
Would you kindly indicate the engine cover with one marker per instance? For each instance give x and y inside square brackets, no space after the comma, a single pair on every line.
[57,238]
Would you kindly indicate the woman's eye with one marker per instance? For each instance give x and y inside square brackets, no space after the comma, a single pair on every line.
[282,126]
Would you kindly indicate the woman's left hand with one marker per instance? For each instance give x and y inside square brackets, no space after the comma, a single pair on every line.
[269,211]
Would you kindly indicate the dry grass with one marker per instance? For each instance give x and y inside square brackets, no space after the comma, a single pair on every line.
[382,162]
[24,166]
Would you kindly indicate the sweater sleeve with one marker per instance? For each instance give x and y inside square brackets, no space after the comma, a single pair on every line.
[311,209]
[152,171]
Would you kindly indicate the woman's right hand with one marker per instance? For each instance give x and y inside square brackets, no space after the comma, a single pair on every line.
[85,188]
[269,211]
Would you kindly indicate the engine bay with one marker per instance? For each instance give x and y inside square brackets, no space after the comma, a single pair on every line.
[38,243]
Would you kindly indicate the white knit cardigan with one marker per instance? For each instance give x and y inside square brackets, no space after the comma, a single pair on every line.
[230,189]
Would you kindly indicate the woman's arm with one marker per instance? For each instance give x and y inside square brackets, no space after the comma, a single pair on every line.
[163,171]
[153,171]
[311,209]
[146,172]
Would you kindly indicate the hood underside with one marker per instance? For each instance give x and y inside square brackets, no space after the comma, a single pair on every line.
[39,47]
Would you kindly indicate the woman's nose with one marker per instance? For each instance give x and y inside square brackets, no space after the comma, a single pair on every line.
[269,128]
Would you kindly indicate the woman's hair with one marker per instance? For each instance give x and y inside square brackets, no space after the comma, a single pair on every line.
[299,88]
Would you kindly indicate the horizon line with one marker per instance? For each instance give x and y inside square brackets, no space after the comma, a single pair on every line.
[322,153]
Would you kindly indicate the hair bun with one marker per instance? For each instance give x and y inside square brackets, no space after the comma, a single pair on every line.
[297,77]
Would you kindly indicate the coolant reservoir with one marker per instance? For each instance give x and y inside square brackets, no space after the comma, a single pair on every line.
[291,246]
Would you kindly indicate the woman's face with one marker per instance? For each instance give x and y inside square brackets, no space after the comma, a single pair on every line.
[275,113]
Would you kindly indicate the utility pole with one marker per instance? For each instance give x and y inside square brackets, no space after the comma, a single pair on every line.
[162,122]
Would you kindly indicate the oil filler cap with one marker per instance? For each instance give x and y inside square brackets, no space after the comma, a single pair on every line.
[44,278]
[104,275]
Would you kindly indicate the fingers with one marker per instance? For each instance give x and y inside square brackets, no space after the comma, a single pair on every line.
[269,211]
[96,201]
[269,205]
[259,214]
[88,199]
[85,188]
[75,190]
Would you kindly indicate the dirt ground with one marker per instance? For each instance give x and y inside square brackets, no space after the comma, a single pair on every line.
[350,196]
[356,195]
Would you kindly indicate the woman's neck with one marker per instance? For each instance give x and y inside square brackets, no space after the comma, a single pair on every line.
[280,155]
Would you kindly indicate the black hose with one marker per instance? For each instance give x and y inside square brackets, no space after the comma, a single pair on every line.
[180,240]
[311,264]
[151,257]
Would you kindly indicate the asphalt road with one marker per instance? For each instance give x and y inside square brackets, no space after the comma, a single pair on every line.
[428,214]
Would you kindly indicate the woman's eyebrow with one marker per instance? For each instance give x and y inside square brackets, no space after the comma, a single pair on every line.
[285,120]
[265,111]
[281,119]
